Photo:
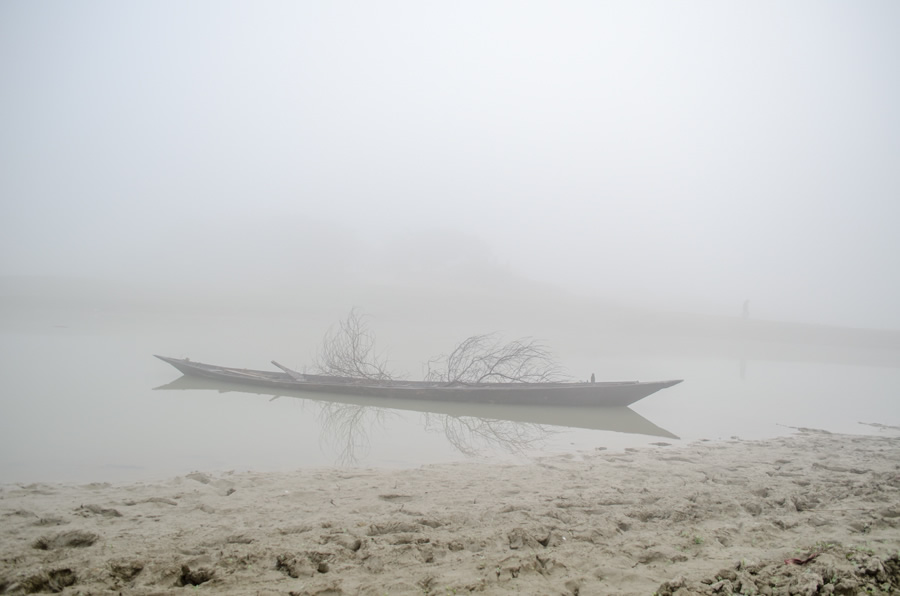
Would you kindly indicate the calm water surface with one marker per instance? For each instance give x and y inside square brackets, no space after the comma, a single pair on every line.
[79,401]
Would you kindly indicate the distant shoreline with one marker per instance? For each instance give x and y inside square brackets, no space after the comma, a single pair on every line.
[579,320]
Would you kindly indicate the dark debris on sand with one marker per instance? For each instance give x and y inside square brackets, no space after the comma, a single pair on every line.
[826,569]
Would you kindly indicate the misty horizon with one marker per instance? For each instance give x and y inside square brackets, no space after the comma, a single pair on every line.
[685,157]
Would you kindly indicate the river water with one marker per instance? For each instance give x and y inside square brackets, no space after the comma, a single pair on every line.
[83,399]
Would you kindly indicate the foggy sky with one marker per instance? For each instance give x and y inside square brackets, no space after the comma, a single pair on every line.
[687,154]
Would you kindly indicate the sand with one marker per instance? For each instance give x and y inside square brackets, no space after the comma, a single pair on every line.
[704,518]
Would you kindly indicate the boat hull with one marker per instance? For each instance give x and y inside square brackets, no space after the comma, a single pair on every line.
[606,394]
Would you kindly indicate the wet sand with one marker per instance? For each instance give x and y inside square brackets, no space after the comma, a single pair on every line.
[705,518]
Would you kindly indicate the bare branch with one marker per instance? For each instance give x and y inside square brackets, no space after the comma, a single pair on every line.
[485,359]
[349,351]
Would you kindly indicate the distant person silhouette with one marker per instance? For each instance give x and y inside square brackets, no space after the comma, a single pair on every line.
[592,377]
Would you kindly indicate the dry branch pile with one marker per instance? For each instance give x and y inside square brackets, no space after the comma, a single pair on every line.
[349,351]
[487,359]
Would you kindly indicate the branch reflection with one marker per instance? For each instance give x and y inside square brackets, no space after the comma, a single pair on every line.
[346,429]
[471,436]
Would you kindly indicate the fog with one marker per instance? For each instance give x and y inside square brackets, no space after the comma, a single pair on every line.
[681,156]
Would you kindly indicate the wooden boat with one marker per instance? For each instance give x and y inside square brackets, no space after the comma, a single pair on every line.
[606,394]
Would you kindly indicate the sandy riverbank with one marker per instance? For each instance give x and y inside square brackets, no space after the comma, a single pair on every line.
[703,518]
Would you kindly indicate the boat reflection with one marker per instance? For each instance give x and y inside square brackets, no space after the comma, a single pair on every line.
[470,428]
